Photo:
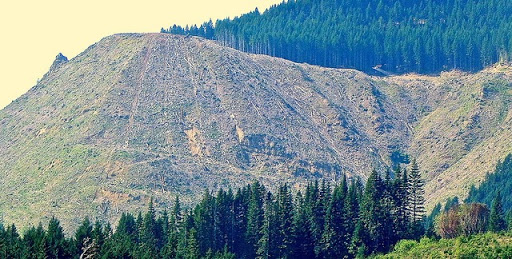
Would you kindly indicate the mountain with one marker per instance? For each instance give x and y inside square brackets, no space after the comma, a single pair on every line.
[498,181]
[157,115]
[401,36]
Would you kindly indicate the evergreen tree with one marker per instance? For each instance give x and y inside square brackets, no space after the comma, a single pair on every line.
[84,231]
[351,212]
[268,244]
[497,218]
[255,216]
[240,211]
[303,243]
[98,237]
[416,200]
[32,239]
[401,201]
[149,227]
[333,239]
[372,227]
[223,220]
[192,245]
[55,240]
[284,221]
[204,222]
[13,242]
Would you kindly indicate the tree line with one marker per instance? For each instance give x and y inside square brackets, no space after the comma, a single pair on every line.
[498,181]
[322,221]
[423,36]
[474,216]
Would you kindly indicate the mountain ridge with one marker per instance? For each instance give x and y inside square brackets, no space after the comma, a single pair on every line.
[155,115]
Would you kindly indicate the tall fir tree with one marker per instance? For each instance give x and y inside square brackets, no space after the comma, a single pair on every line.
[333,238]
[416,200]
[255,216]
[497,218]
[303,242]
[284,221]
[401,201]
[372,231]
[267,245]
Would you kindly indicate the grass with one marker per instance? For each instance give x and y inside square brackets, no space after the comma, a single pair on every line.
[488,245]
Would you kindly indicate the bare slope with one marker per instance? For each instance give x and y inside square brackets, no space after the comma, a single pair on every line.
[140,115]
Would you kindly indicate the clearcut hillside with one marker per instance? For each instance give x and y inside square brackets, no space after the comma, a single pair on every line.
[156,115]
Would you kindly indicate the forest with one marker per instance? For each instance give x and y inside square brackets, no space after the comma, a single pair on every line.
[397,36]
[500,181]
[323,220]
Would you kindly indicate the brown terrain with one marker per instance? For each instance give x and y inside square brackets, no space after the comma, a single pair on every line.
[156,115]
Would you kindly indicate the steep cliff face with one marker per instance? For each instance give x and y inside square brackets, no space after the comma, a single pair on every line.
[141,115]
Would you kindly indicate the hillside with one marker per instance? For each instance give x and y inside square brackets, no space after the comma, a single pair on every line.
[140,115]
[422,36]
[497,181]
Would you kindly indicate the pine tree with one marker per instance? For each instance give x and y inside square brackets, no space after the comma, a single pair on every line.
[401,199]
[267,245]
[83,232]
[223,220]
[303,243]
[32,239]
[192,245]
[255,216]
[204,222]
[317,199]
[497,218]
[333,239]
[351,212]
[13,242]
[97,234]
[372,228]
[43,249]
[416,200]
[149,226]
[284,221]
[55,240]
[240,207]
[388,214]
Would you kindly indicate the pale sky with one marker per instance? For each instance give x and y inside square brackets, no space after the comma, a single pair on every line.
[33,32]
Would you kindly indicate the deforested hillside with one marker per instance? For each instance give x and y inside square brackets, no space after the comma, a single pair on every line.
[157,115]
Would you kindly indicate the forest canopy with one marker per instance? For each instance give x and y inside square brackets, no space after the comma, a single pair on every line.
[423,36]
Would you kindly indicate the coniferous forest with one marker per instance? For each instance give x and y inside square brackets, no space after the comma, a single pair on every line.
[322,221]
[342,220]
[500,181]
[424,36]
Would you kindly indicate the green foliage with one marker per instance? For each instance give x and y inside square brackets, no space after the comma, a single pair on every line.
[327,222]
[497,218]
[499,180]
[488,245]
[423,36]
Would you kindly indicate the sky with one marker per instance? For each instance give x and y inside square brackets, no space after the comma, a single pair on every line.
[33,32]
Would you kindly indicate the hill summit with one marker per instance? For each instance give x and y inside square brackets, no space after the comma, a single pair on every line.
[157,115]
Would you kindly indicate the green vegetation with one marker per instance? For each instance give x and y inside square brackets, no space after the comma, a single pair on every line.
[500,181]
[488,245]
[340,221]
[422,36]
[325,222]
